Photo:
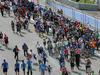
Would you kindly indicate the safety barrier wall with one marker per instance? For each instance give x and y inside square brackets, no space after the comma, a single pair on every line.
[78,15]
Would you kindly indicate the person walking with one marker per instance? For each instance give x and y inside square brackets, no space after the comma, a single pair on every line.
[17,67]
[92,45]
[61,59]
[33,56]
[49,69]
[1,37]
[42,68]
[44,42]
[77,59]
[25,48]
[2,10]
[5,67]
[71,60]
[23,66]
[64,70]
[16,51]
[29,63]
[66,53]
[12,26]
[50,47]
[44,57]
[53,29]
[6,40]
[38,46]
[88,66]
[39,57]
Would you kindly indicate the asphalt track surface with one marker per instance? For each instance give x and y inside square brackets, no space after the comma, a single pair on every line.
[30,38]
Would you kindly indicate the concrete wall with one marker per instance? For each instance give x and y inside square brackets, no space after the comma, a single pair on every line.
[98,2]
[80,6]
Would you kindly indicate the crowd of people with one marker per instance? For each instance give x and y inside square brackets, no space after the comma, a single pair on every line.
[71,40]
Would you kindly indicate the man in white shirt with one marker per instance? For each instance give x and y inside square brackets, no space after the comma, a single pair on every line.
[39,57]
[82,48]
[2,3]
[32,55]
[48,25]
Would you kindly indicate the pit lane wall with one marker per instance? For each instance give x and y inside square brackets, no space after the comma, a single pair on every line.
[93,21]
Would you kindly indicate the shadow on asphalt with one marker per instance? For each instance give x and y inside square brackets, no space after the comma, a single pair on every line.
[36,64]
[9,49]
[96,56]
[77,73]
[19,60]
[21,36]
[82,70]
[4,16]
[1,49]
[30,31]
[93,58]
[23,32]
[33,69]
[11,16]
[83,63]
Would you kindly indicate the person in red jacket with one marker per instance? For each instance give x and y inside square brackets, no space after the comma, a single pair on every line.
[6,40]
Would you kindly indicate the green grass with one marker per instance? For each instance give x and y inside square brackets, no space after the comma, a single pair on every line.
[83,1]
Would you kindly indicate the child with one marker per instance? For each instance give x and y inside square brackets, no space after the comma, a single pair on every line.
[49,69]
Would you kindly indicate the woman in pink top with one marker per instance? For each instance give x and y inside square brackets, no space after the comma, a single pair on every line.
[77,50]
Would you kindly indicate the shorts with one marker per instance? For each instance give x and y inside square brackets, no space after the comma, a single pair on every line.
[16,70]
[59,48]
[35,11]
[18,30]
[6,42]
[50,51]
[6,7]
[66,55]
[28,17]
[4,70]
[44,43]
[72,64]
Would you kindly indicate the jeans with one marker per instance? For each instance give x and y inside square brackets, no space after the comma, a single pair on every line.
[42,72]
[16,55]
[49,73]
[25,52]
[92,51]
[44,59]
[29,69]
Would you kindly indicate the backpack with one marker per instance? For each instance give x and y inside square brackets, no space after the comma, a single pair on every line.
[14,49]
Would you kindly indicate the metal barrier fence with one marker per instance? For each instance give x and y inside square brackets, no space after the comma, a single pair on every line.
[93,21]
